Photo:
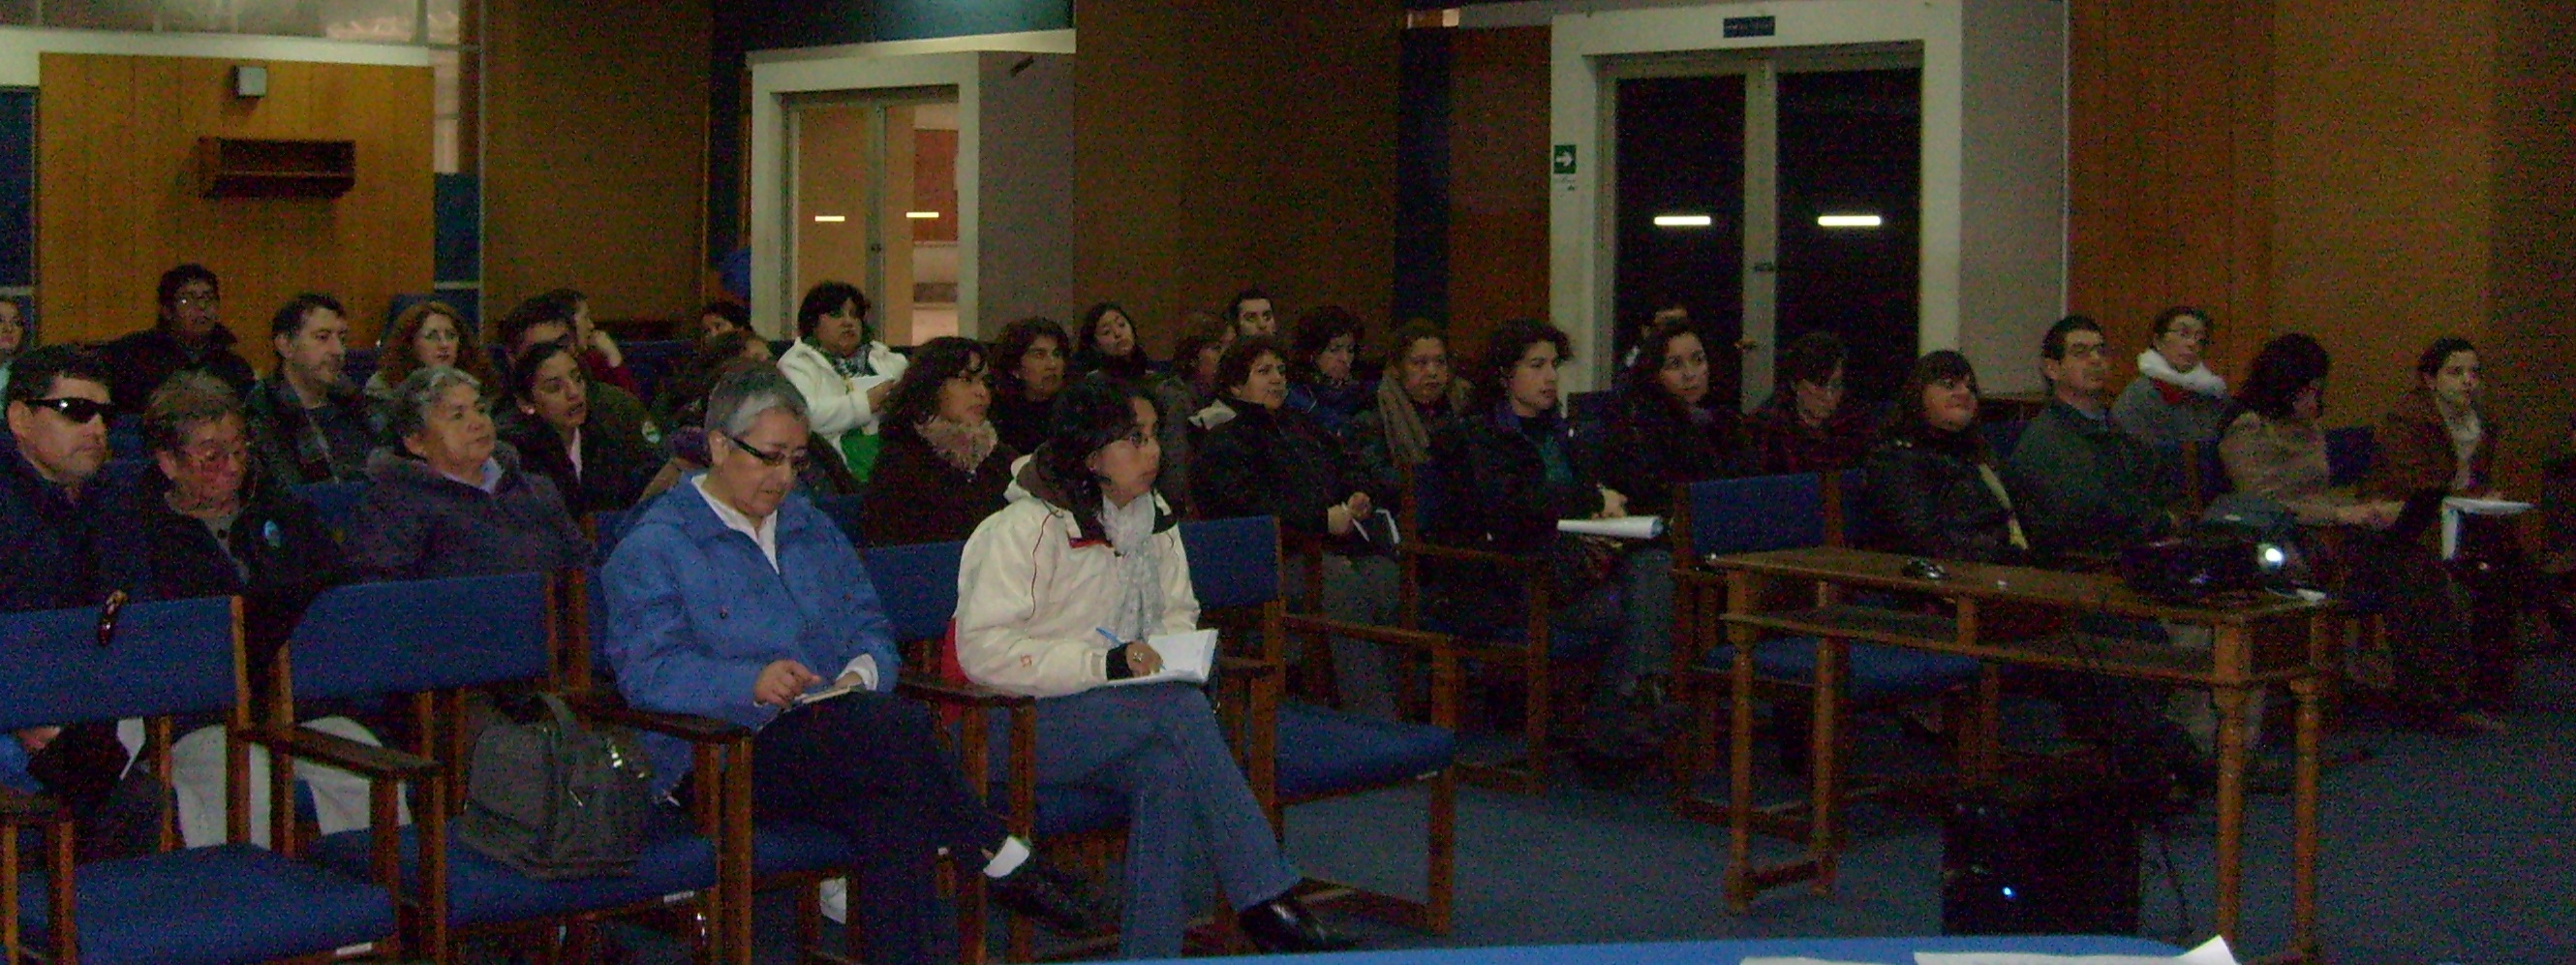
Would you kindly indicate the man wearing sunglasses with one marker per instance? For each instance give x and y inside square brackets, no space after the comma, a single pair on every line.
[68,536]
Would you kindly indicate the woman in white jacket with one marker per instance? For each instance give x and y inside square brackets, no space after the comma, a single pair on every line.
[843,371]
[1057,599]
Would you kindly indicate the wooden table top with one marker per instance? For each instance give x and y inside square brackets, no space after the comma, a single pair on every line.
[2098,592]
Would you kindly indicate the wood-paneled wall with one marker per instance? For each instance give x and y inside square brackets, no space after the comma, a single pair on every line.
[118,203]
[1248,142]
[1497,180]
[595,146]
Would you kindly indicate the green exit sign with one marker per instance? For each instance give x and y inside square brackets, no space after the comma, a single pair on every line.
[1562,161]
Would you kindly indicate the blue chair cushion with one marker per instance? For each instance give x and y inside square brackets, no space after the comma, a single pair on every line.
[783,847]
[1322,751]
[1068,809]
[481,890]
[1874,673]
[228,903]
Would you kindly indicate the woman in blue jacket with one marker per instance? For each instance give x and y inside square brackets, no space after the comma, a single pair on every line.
[731,598]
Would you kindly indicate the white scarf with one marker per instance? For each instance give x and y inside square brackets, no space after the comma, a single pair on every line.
[2200,380]
[1138,611]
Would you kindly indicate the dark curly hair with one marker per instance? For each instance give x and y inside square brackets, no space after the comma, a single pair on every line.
[1504,348]
[915,397]
[1086,353]
[1089,415]
[2285,366]
[1316,329]
[828,297]
[1014,344]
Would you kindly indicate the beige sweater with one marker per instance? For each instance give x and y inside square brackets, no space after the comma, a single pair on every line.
[2283,461]
[1030,603]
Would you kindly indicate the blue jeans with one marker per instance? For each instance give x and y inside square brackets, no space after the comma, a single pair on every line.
[1160,745]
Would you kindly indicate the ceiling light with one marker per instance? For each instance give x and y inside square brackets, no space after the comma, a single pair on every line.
[921,215]
[1849,221]
[1683,221]
[831,218]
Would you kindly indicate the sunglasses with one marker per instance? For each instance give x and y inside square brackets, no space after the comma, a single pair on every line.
[79,411]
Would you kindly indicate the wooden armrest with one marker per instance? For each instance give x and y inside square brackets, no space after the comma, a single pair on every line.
[958,692]
[377,763]
[1251,666]
[687,727]
[17,806]
[1417,639]
[1518,564]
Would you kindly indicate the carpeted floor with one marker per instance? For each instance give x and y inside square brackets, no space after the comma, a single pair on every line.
[2435,850]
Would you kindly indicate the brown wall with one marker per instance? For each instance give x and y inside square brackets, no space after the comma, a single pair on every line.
[1224,144]
[1498,90]
[2351,169]
[119,204]
[595,135]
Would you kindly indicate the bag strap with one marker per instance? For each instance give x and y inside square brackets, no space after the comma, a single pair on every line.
[564,719]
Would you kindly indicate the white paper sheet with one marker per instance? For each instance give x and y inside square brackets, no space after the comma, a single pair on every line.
[1796,960]
[1625,527]
[2212,952]
[1186,656]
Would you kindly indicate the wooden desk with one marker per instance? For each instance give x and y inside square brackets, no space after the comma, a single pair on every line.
[2241,659]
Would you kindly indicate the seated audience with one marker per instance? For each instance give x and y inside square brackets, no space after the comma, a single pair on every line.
[721,316]
[1667,430]
[1059,597]
[613,409]
[1110,344]
[1931,486]
[2439,438]
[1508,472]
[944,467]
[1251,314]
[189,335]
[1270,460]
[215,532]
[449,499]
[2176,399]
[843,372]
[428,335]
[1028,371]
[738,628]
[17,335]
[550,403]
[2276,451]
[307,424]
[69,535]
[817,478]
[1391,439]
[1322,381]
[601,360]
[2086,489]
[1808,425]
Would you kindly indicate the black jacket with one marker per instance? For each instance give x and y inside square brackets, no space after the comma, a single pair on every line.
[1022,423]
[415,524]
[57,552]
[287,557]
[1489,484]
[916,496]
[139,363]
[1281,463]
[1925,497]
[615,466]
[1652,445]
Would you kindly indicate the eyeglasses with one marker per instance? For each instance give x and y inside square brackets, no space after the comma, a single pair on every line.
[196,301]
[208,456]
[773,460]
[80,411]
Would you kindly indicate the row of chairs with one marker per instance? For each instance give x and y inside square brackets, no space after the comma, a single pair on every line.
[343,895]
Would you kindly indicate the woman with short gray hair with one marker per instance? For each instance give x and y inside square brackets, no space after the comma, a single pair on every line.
[449,499]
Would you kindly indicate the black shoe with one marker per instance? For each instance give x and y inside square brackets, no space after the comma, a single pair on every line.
[1281,926]
[1047,893]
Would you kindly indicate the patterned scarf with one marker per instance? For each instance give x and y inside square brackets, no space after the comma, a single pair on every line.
[962,446]
[1138,610]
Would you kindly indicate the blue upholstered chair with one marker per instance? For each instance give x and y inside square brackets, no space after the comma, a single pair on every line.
[1317,752]
[1759,514]
[1521,638]
[225,903]
[918,585]
[433,639]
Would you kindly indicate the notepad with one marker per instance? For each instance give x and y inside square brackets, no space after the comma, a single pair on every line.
[827,693]
[1624,527]
[2456,507]
[1188,657]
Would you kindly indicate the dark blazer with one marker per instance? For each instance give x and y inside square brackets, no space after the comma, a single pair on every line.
[1274,463]
[615,465]
[1925,497]
[1492,486]
[2085,488]
[58,552]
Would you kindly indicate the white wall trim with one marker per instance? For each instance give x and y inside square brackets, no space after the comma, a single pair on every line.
[948,62]
[1580,280]
[22,49]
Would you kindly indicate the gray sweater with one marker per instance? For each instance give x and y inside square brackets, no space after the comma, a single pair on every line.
[2164,415]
